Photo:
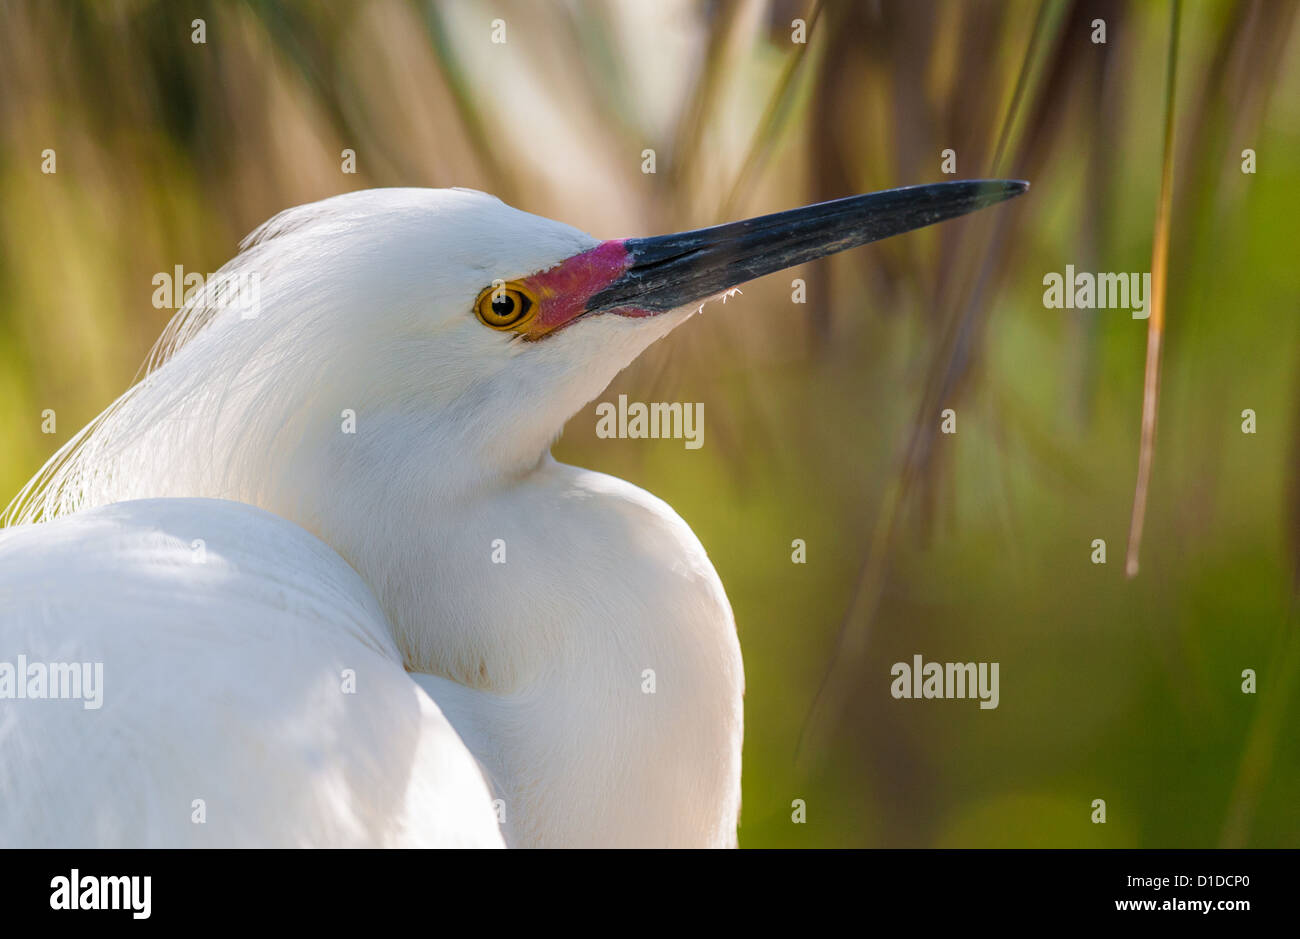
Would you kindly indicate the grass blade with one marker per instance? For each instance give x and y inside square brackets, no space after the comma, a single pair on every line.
[1156,322]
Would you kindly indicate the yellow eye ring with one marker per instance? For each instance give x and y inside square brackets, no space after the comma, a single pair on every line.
[505,306]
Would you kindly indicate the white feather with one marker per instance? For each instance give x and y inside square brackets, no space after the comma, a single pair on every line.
[222,719]
[366,308]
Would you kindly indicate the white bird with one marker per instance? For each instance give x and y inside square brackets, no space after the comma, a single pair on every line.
[284,547]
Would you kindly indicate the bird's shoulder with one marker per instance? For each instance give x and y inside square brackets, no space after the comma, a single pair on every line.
[250,691]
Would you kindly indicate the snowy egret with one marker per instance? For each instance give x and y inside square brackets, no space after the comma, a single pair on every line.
[281,551]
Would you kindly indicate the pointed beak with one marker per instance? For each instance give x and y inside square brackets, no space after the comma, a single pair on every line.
[667,272]
[640,277]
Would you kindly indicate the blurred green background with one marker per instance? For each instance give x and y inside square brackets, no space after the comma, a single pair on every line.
[822,418]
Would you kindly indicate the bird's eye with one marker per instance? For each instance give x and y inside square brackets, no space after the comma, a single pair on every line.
[504,306]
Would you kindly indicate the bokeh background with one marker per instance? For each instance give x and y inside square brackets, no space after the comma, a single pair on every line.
[822,418]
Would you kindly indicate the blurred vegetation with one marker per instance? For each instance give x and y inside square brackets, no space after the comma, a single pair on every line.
[823,418]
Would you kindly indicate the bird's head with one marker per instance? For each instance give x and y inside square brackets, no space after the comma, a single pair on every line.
[504,323]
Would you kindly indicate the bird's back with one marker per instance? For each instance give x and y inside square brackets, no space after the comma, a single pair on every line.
[237,684]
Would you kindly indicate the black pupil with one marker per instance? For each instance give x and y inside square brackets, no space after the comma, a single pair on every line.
[503,306]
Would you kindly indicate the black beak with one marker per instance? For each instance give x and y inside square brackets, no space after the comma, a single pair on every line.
[671,271]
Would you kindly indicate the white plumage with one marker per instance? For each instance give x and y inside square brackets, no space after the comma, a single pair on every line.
[222,721]
[222,679]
